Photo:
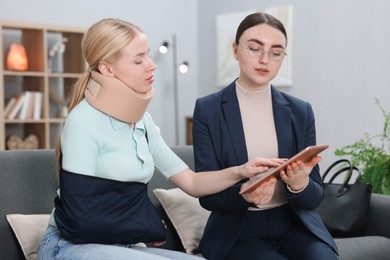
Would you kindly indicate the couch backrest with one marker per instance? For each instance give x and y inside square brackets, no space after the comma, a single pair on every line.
[28,185]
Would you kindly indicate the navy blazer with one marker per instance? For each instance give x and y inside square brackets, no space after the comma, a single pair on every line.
[219,142]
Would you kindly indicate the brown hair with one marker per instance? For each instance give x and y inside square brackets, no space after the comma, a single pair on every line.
[256,19]
[103,41]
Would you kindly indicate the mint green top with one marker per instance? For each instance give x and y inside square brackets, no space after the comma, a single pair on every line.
[96,144]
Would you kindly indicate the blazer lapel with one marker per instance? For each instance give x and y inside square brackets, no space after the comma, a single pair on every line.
[283,123]
[282,118]
[231,111]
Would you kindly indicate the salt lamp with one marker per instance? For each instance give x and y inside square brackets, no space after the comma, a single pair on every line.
[17,58]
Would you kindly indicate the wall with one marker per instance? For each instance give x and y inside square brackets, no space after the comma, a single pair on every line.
[341,54]
[159,19]
[341,62]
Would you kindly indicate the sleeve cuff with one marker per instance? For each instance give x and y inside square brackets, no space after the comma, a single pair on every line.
[297,191]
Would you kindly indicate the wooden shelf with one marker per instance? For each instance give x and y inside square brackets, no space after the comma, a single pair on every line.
[52,76]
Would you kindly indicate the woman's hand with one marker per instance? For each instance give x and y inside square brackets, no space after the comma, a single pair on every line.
[262,194]
[257,166]
[160,243]
[296,175]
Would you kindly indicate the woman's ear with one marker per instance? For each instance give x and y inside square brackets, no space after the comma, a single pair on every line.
[235,50]
[105,69]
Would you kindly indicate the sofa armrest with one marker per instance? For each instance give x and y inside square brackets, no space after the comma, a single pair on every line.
[378,221]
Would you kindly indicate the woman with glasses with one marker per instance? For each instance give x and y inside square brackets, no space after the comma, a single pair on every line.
[250,118]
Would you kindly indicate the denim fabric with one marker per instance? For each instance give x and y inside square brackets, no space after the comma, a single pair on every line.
[53,246]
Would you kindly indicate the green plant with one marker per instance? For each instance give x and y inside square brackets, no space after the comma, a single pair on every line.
[372,155]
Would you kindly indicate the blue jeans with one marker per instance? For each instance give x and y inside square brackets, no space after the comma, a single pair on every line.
[53,246]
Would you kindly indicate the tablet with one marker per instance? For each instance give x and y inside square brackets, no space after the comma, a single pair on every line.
[305,155]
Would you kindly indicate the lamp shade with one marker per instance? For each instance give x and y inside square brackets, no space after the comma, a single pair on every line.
[164,47]
[17,58]
[183,68]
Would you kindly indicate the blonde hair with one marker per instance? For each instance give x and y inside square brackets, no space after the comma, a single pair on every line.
[103,41]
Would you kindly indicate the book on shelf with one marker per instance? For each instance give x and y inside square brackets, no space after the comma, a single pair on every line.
[13,111]
[27,105]
[30,107]
[9,105]
[37,105]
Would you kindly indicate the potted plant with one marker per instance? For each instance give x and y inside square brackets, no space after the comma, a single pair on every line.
[371,154]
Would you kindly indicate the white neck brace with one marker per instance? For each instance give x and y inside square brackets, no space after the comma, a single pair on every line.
[113,97]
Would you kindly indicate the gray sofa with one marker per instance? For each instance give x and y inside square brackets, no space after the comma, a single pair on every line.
[28,186]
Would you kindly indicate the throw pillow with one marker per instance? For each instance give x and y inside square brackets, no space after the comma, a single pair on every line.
[186,215]
[29,230]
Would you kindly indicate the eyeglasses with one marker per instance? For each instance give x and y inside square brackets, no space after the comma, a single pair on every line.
[274,53]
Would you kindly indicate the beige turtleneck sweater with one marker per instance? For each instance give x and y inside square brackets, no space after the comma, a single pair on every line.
[260,133]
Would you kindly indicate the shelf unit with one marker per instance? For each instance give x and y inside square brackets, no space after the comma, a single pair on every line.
[52,76]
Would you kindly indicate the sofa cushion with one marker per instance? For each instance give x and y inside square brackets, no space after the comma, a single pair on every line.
[364,248]
[186,215]
[29,230]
